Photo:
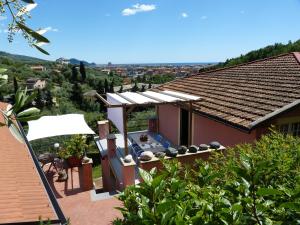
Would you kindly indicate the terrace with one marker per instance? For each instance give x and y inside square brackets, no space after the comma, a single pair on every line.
[124,152]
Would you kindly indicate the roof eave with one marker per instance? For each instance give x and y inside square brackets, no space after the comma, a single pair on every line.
[273,114]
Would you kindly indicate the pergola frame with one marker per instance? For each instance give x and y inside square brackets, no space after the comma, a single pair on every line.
[127,108]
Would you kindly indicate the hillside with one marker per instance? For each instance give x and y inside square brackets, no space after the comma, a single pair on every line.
[74,61]
[22,58]
[269,51]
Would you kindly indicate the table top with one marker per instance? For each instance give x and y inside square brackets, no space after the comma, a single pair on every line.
[150,145]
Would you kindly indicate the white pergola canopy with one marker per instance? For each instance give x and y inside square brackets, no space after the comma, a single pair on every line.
[148,97]
[50,126]
[117,103]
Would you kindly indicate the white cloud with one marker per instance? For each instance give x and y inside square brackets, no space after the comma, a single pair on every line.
[184,15]
[3,18]
[138,8]
[47,29]
[203,17]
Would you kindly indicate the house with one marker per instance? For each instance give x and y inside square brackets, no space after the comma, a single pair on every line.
[239,104]
[38,68]
[25,194]
[63,61]
[35,83]
[232,105]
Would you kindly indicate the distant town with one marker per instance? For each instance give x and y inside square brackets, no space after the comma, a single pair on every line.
[143,69]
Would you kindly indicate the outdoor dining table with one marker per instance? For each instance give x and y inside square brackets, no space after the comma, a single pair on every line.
[150,145]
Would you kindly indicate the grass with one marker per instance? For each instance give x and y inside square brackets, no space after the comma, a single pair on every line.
[97,171]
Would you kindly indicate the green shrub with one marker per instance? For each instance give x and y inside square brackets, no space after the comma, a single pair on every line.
[253,184]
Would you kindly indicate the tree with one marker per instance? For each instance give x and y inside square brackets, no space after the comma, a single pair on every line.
[111,86]
[106,86]
[82,71]
[135,87]
[100,88]
[150,86]
[39,99]
[74,74]
[143,88]
[16,86]
[49,99]
[77,94]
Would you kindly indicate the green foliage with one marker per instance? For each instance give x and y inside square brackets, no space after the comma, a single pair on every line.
[161,78]
[74,74]
[19,12]
[77,94]
[269,51]
[75,146]
[82,71]
[138,120]
[20,112]
[253,184]
[135,88]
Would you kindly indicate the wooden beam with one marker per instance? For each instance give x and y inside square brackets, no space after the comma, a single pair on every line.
[103,99]
[190,123]
[125,130]
[157,118]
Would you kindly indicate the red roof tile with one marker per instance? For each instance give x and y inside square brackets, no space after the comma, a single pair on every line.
[243,94]
[23,197]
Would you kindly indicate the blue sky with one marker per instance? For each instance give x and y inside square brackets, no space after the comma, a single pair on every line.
[145,31]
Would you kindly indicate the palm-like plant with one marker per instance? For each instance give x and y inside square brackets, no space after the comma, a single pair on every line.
[18,111]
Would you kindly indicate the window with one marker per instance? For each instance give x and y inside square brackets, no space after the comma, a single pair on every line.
[291,128]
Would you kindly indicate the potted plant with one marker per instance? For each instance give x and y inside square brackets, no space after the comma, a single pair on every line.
[144,138]
[73,150]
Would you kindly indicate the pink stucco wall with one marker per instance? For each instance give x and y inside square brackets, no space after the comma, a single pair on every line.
[169,122]
[207,130]
[204,130]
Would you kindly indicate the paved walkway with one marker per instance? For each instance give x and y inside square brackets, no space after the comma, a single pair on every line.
[80,206]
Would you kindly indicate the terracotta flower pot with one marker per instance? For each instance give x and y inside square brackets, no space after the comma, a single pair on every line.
[74,161]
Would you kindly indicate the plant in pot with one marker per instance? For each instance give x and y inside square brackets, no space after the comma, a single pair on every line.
[73,150]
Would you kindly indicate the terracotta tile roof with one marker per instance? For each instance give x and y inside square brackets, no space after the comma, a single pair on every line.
[23,197]
[243,94]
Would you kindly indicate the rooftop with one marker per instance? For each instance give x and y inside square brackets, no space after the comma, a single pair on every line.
[23,197]
[245,95]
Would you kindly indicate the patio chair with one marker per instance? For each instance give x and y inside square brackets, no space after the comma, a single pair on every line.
[46,158]
[166,144]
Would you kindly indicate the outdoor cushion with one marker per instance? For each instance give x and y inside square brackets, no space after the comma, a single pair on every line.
[193,149]
[214,145]
[158,138]
[166,144]
[160,154]
[146,156]
[171,152]
[128,158]
[203,147]
[182,150]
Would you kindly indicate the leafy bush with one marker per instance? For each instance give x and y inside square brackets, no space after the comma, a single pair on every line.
[76,146]
[252,184]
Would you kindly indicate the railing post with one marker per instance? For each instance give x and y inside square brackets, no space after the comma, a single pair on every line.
[86,175]
[111,145]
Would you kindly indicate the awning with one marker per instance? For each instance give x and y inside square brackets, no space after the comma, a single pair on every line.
[50,126]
